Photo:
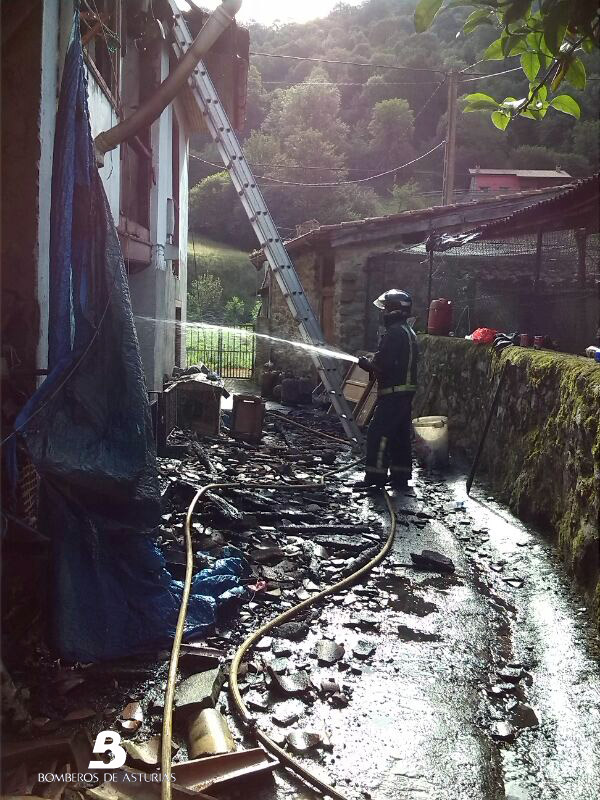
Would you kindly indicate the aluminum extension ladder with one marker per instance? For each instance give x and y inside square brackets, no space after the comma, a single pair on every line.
[263,225]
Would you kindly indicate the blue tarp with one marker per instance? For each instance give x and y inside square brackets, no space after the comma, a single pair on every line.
[88,429]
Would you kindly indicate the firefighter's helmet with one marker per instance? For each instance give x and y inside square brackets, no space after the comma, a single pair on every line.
[394,300]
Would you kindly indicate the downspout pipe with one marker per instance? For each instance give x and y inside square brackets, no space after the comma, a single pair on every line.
[220,19]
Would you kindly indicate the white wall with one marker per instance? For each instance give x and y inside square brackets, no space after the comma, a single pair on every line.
[102,117]
[155,291]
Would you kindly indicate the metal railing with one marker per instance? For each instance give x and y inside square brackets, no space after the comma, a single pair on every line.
[230,352]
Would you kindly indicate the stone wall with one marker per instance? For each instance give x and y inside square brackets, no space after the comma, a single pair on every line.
[542,454]
[281,323]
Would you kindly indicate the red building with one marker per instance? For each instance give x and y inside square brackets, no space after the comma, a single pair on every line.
[502,181]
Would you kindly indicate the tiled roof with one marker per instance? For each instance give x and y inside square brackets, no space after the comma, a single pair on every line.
[572,206]
[523,173]
[576,205]
[503,203]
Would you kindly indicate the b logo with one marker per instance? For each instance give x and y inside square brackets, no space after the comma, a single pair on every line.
[108,742]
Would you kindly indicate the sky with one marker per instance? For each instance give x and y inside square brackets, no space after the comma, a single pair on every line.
[267,11]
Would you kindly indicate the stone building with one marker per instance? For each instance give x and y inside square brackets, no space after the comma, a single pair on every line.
[491,282]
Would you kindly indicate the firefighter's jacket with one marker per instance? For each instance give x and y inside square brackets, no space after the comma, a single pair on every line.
[395,362]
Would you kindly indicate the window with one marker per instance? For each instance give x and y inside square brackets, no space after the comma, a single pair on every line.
[136,179]
[137,176]
[101,40]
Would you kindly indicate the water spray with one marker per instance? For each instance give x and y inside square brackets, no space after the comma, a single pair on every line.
[313,348]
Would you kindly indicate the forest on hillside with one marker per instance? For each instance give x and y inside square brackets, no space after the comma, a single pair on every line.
[314,122]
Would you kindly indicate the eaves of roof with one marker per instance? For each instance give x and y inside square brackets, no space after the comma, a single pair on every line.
[418,222]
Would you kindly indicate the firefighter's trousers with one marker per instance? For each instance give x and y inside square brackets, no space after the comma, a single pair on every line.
[389,438]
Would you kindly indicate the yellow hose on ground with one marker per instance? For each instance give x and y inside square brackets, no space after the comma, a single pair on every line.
[167,730]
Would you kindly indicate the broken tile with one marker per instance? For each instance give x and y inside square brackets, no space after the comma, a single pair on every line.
[279,665]
[432,560]
[329,652]
[263,644]
[302,742]
[256,702]
[363,650]
[209,734]
[502,732]
[285,718]
[329,686]
[339,700]
[200,690]
[281,649]
[296,683]
[523,716]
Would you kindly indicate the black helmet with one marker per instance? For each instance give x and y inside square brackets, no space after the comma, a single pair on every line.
[394,300]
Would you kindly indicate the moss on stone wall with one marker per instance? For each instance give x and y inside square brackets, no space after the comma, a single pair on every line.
[542,455]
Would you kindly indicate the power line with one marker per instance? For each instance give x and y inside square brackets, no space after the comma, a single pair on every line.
[347,63]
[427,102]
[341,83]
[338,183]
[491,75]
[314,167]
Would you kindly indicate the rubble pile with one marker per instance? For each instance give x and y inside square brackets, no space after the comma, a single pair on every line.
[292,543]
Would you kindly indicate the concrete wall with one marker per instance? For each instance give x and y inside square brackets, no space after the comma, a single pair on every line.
[542,455]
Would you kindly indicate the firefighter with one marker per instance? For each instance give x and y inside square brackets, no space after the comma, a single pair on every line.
[394,365]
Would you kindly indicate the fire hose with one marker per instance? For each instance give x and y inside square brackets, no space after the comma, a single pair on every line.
[240,706]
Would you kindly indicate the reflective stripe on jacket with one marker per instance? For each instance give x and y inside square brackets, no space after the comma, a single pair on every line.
[396,361]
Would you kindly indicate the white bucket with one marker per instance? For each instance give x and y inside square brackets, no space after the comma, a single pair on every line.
[431,440]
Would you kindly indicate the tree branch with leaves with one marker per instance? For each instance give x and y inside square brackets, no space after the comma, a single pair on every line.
[547,35]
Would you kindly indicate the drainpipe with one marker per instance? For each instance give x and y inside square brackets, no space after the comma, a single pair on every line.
[220,19]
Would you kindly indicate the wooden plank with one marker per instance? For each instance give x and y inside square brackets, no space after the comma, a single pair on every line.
[366,407]
[356,382]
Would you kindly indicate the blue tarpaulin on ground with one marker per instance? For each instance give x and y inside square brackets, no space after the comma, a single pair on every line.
[88,429]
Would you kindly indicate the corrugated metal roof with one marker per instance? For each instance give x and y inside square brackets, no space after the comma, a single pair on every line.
[523,173]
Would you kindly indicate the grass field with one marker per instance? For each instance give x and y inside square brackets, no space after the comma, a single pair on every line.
[233,266]
[230,354]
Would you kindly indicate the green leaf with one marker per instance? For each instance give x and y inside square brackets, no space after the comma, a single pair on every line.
[494,51]
[576,74]
[518,45]
[518,9]
[500,120]
[566,104]
[555,26]
[481,16]
[530,62]
[480,102]
[425,13]
[542,91]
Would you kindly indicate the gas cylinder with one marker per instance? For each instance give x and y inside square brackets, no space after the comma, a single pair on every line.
[439,322]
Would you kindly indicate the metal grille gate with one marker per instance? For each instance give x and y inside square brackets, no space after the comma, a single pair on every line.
[229,352]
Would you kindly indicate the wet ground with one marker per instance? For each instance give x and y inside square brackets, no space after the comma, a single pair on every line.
[483,684]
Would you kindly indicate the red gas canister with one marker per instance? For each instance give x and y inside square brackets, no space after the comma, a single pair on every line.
[439,322]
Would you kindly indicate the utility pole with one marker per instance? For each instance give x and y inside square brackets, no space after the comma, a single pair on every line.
[450,150]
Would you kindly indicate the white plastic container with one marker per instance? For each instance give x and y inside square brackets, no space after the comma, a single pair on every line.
[431,440]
